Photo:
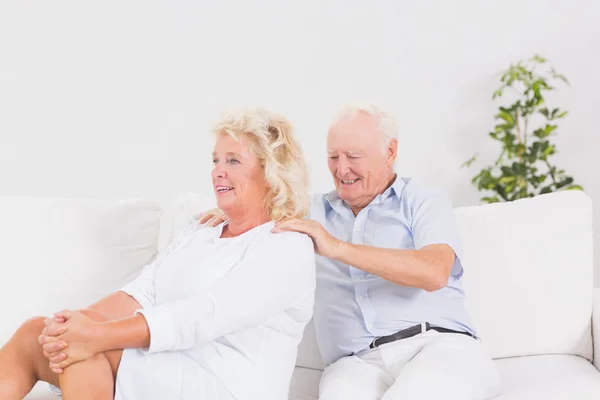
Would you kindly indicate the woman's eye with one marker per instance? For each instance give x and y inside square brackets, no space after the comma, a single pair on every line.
[234,161]
[215,161]
[333,157]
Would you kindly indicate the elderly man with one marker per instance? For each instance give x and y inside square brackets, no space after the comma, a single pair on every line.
[389,313]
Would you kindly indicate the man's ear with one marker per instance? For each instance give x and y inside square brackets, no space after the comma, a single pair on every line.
[392,152]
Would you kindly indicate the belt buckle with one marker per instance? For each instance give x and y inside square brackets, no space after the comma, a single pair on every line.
[374,342]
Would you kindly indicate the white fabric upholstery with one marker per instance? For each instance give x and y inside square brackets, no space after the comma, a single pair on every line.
[305,384]
[41,392]
[59,253]
[545,377]
[548,377]
[596,328]
[308,352]
[529,274]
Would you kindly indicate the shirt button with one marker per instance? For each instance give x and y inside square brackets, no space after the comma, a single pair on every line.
[361,298]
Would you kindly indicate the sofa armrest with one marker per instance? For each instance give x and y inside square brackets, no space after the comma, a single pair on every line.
[596,328]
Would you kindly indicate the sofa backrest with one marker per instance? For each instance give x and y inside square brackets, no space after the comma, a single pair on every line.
[528,264]
[529,274]
[528,277]
[68,253]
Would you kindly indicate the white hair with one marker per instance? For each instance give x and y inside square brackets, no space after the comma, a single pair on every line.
[385,120]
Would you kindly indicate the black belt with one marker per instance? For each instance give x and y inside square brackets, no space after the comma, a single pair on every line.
[412,331]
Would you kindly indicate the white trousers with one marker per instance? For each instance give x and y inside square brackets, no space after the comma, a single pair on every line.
[430,365]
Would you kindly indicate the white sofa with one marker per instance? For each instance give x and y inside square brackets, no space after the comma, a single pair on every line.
[529,274]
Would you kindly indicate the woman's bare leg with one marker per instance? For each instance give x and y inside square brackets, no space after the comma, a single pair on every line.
[92,379]
[22,362]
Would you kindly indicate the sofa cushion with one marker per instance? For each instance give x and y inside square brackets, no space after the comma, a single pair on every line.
[545,377]
[596,328]
[549,377]
[41,391]
[305,384]
[68,253]
[529,274]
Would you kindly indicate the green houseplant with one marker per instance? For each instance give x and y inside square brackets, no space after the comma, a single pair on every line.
[523,131]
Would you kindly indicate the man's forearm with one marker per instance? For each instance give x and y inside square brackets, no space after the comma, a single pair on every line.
[427,268]
[130,332]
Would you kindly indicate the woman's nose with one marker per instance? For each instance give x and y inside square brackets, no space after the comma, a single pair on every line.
[219,172]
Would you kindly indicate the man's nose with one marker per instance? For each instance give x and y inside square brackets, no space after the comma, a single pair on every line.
[343,166]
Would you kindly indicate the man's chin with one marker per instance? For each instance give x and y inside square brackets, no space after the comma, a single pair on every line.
[348,194]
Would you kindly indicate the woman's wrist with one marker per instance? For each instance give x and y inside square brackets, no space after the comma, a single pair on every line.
[130,332]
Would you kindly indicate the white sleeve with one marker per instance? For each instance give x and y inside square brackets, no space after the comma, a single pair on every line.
[142,288]
[275,274]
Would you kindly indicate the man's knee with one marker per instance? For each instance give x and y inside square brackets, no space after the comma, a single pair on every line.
[353,379]
[353,391]
[430,386]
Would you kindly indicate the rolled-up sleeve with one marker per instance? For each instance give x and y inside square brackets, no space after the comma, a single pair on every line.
[142,288]
[434,222]
[274,275]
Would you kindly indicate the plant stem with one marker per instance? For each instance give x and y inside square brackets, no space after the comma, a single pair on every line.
[525,134]
[550,171]
[519,138]
[518,125]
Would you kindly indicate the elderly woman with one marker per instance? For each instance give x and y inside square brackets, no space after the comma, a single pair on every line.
[219,315]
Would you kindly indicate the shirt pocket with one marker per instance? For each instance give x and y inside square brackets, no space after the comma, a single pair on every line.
[392,232]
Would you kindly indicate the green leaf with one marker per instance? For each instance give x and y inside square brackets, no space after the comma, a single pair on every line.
[469,161]
[548,151]
[538,59]
[544,112]
[507,179]
[549,129]
[505,115]
[540,133]
[562,114]
[575,187]
[506,170]
[504,127]
[565,182]
[493,199]
[519,168]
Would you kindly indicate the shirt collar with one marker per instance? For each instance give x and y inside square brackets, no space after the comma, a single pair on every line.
[336,203]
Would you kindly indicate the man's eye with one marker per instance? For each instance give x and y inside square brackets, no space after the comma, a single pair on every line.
[333,157]
[215,160]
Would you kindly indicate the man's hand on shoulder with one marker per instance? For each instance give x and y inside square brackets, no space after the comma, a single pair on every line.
[212,217]
[325,244]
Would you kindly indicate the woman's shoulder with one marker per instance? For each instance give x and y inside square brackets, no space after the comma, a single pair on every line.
[293,242]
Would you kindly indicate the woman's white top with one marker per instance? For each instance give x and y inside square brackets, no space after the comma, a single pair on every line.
[223,314]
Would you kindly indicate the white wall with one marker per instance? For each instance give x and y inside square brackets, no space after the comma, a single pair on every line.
[116,98]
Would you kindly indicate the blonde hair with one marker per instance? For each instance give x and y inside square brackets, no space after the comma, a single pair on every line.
[272,141]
